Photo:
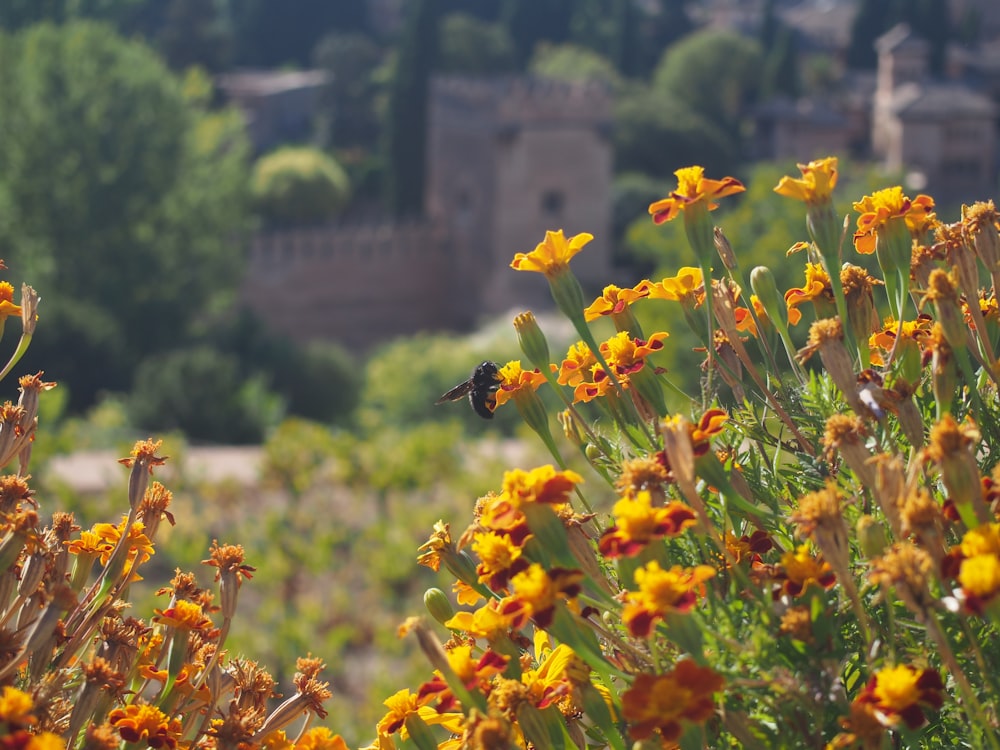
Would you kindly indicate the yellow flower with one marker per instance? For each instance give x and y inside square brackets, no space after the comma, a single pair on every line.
[819,178]
[147,724]
[817,286]
[627,354]
[184,615]
[16,706]
[686,287]
[881,207]
[637,523]
[661,592]
[693,188]
[513,378]
[578,360]
[7,306]
[320,738]
[897,693]
[612,301]
[552,255]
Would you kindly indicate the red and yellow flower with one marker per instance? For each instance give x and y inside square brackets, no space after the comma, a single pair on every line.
[899,694]
[513,379]
[500,558]
[146,724]
[661,703]
[475,674]
[613,301]
[882,207]
[686,287]
[661,592]
[693,189]
[576,366]
[800,569]
[536,593]
[817,286]
[628,354]
[637,523]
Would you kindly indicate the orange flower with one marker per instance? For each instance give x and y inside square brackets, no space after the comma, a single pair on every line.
[817,286]
[148,724]
[819,178]
[474,674]
[882,206]
[637,523]
[800,570]
[514,378]
[184,616]
[500,558]
[7,306]
[898,694]
[320,738]
[536,593]
[693,188]
[686,287]
[710,425]
[541,485]
[658,703]
[574,368]
[144,452]
[627,354]
[403,704]
[552,255]
[661,592]
[432,549]
[16,707]
[613,301]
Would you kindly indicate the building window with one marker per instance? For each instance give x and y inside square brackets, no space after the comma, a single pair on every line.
[552,203]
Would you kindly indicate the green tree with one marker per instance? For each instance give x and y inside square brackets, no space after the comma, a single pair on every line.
[347,102]
[406,126]
[569,62]
[195,32]
[532,21]
[15,14]
[299,185]
[122,200]
[471,46]
[716,73]
[656,133]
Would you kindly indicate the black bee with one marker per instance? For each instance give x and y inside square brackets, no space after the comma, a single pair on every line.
[481,388]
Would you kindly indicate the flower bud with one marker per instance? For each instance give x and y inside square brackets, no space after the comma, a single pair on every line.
[763,285]
[532,340]
[871,536]
[438,605]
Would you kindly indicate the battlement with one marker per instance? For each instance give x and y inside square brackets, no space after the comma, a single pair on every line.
[523,101]
[336,243]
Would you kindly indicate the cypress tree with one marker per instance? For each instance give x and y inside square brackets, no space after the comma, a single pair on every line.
[406,129]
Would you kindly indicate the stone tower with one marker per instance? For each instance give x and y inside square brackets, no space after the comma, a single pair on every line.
[508,159]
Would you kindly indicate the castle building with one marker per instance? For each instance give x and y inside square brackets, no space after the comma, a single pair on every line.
[943,133]
[508,159]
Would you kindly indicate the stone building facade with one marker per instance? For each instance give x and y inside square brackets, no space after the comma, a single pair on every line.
[508,159]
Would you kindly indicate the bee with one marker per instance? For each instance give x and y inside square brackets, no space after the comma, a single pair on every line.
[481,388]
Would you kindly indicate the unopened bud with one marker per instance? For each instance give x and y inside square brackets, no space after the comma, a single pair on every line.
[532,340]
[438,605]
[871,536]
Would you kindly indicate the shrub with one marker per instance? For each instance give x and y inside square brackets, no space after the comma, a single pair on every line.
[295,186]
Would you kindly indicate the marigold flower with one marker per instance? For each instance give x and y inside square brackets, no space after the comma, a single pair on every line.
[975,563]
[613,301]
[16,707]
[439,541]
[574,368]
[513,378]
[320,738]
[800,570]
[540,485]
[819,178]
[628,354]
[817,287]
[881,207]
[475,674]
[552,255]
[661,592]
[693,188]
[141,723]
[638,522]
[536,593]
[184,616]
[485,622]
[687,287]
[7,306]
[898,694]
[403,704]
[659,703]
[500,558]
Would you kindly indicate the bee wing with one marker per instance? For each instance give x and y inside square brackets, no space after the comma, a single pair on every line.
[460,390]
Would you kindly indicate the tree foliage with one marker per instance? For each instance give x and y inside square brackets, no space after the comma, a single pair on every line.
[715,73]
[569,62]
[299,185]
[406,125]
[121,199]
[471,46]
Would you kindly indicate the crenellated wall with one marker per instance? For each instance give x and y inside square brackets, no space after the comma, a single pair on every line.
[508,159]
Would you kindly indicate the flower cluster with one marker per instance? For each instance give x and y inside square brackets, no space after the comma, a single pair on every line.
[778,566]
